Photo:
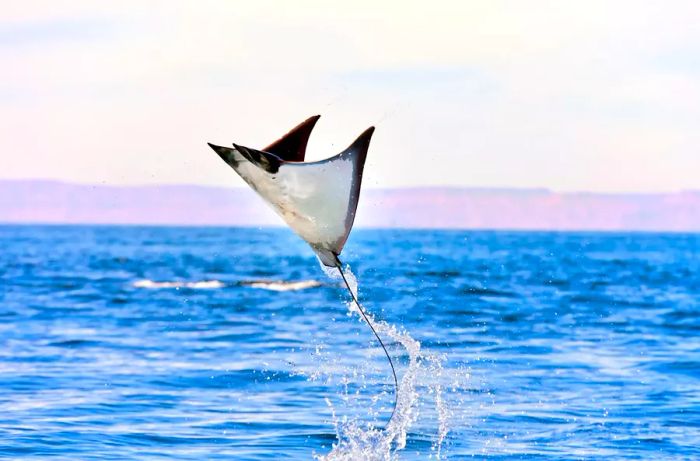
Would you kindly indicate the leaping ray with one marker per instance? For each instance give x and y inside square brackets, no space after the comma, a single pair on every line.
[317,200]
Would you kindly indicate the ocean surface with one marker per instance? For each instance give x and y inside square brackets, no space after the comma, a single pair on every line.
[164,343]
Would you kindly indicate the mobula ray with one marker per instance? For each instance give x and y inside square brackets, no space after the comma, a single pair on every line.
[317,200]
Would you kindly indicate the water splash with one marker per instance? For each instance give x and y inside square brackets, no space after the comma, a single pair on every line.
[358,440]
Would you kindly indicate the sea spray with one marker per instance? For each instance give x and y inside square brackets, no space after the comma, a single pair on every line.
[356,440]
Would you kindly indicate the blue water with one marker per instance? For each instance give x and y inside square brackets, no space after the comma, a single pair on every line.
[150,343]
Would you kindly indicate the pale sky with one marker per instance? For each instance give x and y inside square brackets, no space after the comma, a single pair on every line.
[567,95]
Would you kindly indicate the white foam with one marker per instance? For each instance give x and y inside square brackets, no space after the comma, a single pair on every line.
[275,285]
[205,284]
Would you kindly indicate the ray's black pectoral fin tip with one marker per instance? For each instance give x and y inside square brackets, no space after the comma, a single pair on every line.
[292,146]
[225,153]
[361,144]
[366,135]
[220,150]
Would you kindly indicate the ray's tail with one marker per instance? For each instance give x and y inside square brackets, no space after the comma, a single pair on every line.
[381,343]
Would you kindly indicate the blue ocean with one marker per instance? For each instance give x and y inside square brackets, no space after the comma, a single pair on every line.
[186,343]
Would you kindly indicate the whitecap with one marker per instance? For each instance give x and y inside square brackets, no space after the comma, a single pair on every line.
[178,284]
[280,285]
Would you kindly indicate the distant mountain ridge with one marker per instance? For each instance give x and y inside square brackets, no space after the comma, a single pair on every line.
[41,201]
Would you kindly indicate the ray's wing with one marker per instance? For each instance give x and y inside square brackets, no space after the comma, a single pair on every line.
[317,200]
[292,146]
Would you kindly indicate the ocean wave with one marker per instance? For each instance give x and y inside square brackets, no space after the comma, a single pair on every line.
[178,284]
[272,285]
[280,285]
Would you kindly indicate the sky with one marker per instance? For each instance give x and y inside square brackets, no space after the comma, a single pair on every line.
[599,96]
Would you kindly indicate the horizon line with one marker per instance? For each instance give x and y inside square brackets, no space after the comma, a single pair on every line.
[282,226]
